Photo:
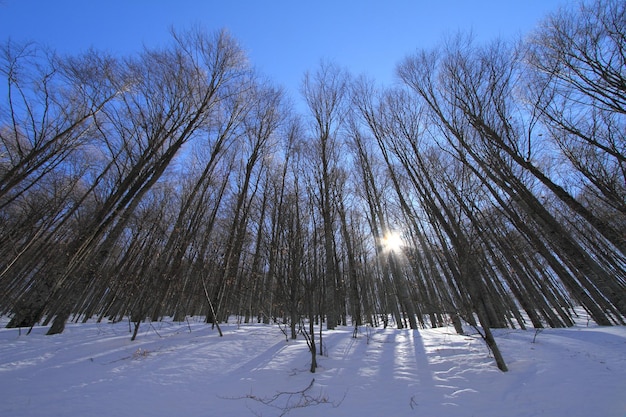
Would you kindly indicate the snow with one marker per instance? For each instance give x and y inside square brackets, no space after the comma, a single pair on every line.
[186,369]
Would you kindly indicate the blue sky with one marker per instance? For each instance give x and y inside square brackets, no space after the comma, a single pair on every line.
[283,38]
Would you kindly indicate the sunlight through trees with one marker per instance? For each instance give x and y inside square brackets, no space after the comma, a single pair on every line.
[181,182]
[392,242]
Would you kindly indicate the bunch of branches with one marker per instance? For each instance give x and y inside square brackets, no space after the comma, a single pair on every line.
[285,401]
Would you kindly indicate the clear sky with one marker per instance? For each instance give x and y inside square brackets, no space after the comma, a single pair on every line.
[284,38]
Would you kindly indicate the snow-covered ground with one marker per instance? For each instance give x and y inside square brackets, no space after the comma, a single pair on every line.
[186,369]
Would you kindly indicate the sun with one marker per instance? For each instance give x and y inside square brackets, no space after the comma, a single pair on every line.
[392,242]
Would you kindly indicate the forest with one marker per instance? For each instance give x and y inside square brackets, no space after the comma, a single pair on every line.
[486,187]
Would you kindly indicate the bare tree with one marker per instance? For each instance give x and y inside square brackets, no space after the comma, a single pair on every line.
[575,67]
[258,130]
[325,94]
[172,97]
[49,111]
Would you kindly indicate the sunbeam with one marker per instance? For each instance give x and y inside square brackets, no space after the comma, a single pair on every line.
[392,242]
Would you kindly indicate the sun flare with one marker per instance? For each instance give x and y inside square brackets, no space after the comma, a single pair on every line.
[392,242]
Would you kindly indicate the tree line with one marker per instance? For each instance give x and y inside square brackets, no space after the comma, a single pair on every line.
[178,182]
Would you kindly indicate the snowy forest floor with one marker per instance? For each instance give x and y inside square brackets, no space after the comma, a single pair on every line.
[186,369]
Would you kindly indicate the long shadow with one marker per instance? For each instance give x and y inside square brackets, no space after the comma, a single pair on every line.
[390,360]
[427,392]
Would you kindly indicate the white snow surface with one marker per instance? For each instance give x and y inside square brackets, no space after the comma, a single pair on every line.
[186,369]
